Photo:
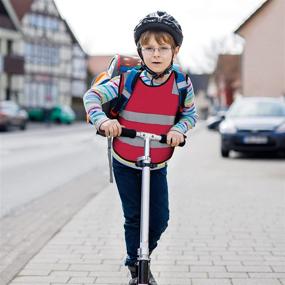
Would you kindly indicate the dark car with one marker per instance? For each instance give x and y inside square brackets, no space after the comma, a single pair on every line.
[254,124]
[11,115]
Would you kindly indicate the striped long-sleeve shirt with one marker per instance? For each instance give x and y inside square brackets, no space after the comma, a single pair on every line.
[96,96]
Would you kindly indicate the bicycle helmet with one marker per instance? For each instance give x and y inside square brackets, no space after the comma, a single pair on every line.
[159,21]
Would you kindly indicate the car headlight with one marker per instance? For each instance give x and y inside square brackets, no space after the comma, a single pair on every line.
[227,127]
[281,129]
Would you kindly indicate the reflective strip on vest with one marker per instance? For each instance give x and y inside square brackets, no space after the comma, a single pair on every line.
[139,142]
[147,119]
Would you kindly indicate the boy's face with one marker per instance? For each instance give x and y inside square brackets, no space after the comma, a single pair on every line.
[157,56]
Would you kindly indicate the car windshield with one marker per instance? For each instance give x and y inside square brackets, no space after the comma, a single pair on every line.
[5,105]
[67,109]
[248,108]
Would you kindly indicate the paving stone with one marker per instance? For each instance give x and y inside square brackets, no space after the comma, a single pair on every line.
[211,282]
[249,269]
[255,282]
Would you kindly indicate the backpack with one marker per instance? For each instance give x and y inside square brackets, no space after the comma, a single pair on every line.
[119,65]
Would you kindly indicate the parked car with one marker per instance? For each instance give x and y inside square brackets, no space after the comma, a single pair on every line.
[59,114]
[254,124]
[214,120]
[63,114]
[36,114]
[11,115]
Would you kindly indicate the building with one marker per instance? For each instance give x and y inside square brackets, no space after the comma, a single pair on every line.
[55,65]
[227,78]
[200,84]
[11,54]
[263,59]
[79,75]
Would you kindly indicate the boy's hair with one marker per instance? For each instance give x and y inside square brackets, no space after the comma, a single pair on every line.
[160,37]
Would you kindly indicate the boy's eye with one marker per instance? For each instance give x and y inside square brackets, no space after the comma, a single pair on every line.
[164,50]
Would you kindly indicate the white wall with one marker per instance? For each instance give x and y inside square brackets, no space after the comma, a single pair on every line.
[263,62]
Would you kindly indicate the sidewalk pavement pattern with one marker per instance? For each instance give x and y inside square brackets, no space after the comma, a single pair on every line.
[91,251]
[220,236]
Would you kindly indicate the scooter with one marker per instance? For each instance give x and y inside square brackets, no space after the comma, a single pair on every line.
[145,163]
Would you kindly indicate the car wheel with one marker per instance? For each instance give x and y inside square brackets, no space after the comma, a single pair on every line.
[225,152]
[23,126]
[7,127]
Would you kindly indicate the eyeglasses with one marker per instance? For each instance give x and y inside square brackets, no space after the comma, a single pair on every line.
[151,50]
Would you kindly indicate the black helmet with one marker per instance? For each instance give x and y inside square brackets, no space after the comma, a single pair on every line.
[159,21]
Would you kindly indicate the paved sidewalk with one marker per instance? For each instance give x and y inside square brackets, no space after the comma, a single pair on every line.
[220,235]
[29,227]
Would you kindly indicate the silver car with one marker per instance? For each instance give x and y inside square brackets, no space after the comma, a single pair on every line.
[11,115]
[254,124]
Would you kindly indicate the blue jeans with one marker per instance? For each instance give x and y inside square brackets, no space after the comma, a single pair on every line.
[128,181]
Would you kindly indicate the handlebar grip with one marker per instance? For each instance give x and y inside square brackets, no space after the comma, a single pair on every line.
[129,133]
[164,140]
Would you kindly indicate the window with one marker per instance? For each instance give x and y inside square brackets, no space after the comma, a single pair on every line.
[33,20]
[9,47]
[41,94]
[28,52]
[40,21]
[53,24]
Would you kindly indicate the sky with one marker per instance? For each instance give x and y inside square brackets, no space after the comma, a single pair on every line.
[106,27]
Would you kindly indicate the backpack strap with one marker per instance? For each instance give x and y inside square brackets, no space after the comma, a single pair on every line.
[181,82]
[126,87]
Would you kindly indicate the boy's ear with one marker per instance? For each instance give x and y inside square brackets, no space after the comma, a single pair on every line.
[176,50]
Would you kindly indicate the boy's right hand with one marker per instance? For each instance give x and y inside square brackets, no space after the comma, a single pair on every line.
[111,128]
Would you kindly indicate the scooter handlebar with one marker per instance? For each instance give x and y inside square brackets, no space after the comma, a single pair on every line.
[130,133]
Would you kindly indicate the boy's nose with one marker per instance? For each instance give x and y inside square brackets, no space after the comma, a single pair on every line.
[156,51]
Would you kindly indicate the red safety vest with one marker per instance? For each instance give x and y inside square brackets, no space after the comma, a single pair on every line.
[150,109]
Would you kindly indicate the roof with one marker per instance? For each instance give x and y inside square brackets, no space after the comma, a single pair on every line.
[21,7]
[255,13]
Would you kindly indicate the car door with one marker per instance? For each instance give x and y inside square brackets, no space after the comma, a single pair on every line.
[15,118]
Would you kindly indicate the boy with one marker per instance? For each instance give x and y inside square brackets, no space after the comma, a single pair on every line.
[152,107]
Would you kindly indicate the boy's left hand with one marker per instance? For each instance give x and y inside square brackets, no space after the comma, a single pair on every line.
[174,138]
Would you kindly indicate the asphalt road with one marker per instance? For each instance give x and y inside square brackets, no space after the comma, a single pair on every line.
[37,161]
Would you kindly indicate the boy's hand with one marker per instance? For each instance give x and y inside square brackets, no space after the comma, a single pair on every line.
[174,138]
[111,128]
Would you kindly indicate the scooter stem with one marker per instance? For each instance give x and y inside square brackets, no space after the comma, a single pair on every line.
[145,199]
[143,251]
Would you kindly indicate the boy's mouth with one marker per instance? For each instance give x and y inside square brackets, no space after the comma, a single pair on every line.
[156,62]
